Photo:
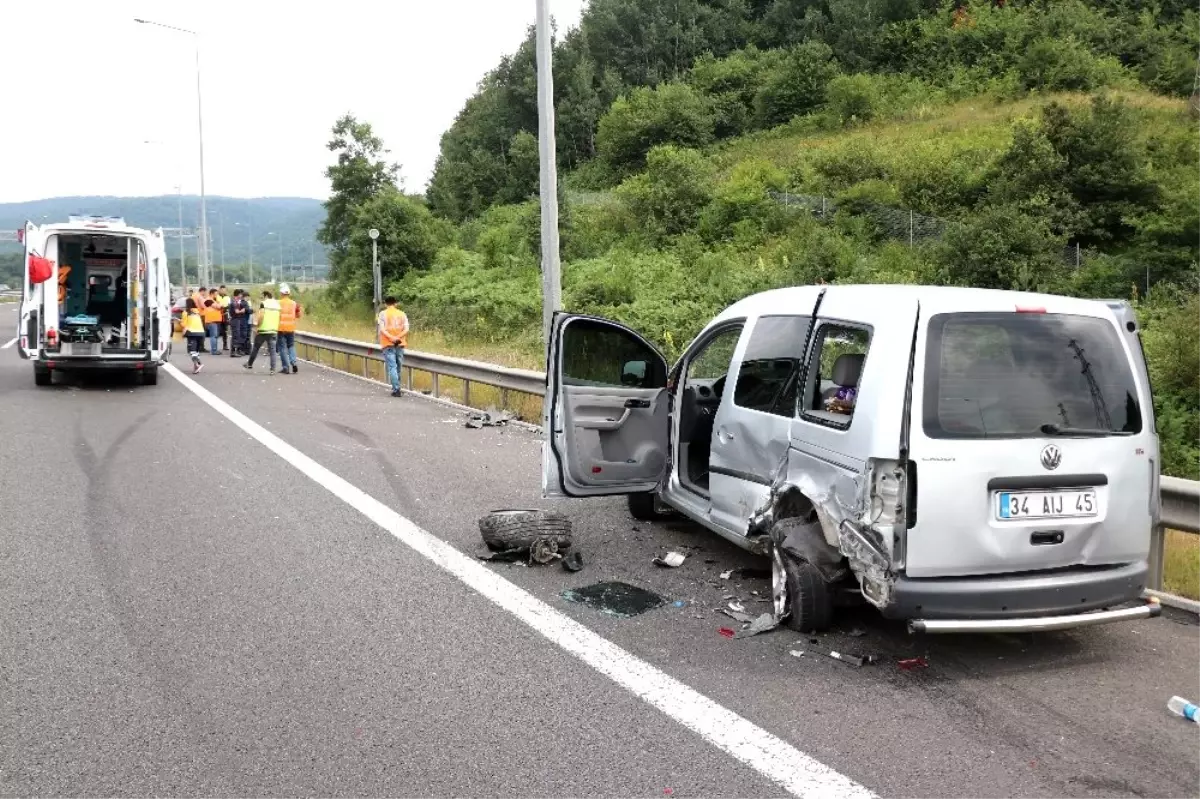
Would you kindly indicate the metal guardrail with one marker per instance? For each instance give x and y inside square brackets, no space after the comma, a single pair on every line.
[1180,498]
[523,381]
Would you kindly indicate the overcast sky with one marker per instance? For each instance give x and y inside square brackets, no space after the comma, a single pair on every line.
[88,87]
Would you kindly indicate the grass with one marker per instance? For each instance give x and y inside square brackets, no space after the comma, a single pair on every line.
[1181,564]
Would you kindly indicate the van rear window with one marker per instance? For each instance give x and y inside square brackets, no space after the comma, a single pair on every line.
[1027,375]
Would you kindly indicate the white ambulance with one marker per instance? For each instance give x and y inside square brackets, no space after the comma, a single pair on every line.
[105,303]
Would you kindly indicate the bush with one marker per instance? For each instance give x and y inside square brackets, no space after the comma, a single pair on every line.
[668,197]
[731,83]
[744,198]
[1067,65]
[798,85]
[1002,248]
[853,98]
[673,113]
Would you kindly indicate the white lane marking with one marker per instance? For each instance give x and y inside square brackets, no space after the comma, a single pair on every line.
[8,343]
[767,754]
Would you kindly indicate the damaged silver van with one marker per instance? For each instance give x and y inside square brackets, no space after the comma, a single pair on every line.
[963,459]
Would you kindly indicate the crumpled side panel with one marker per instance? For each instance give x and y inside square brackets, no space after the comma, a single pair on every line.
[843,506]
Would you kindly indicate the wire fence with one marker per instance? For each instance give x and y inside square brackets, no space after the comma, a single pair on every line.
[894,223]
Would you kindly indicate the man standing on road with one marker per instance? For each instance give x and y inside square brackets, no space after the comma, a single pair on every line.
[223,300]
[393,340]
[289,312]
[239,321]
[266,321]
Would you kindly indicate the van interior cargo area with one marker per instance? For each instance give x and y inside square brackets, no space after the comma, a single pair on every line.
[96,299]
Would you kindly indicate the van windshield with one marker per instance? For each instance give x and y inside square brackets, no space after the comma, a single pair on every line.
[1027,375]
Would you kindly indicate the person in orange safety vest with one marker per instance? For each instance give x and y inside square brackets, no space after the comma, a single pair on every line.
[393,339]
[289,312]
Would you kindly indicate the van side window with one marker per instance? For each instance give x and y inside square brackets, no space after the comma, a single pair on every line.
[768,379]
[836,362]
[599,354]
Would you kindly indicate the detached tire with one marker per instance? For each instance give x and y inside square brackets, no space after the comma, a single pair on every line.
[519,529]
[807,600]
[641,507]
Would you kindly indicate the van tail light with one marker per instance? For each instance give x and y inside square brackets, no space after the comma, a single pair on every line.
[910,498]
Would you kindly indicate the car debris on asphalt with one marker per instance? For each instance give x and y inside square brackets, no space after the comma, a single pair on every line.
[539,536]
[573,562]
[671,560]
[615,598]
[812,645]
[489,418]
[908,664]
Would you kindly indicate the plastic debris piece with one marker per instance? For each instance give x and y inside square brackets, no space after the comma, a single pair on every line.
[489,418]
[679,603]
[908,664]
[744,618]
[671,560]
[505,556]
[737,606]
[764,623]
[857,632]
[573,562]
[726,632]
[727,575]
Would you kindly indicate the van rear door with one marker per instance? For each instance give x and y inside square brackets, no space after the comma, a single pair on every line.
[28,322]
[1033,438]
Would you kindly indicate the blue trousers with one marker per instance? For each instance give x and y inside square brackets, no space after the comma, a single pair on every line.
[393,357]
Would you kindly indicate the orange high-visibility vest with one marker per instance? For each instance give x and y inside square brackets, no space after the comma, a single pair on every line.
[393,328]
[288,312]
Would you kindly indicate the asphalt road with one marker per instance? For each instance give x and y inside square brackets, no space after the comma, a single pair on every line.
[184,612]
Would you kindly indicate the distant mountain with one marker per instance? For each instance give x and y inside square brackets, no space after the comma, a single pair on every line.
[233,221]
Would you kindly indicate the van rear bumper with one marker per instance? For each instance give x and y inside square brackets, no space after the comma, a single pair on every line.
[1028,595]
[93,363]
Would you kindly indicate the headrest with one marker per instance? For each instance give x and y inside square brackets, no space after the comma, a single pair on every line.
[847,369]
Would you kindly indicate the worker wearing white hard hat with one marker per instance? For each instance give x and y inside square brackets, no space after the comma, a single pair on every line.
[285,343]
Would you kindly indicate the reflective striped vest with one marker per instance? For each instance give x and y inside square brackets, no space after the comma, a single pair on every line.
[270,317]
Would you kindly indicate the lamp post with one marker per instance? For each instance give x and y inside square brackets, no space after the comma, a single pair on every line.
[202,246]
[249,240]
[548,174]
[280,235]
[221,217]
[376,276]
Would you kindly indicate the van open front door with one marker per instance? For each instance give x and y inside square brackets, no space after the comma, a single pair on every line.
[29,321]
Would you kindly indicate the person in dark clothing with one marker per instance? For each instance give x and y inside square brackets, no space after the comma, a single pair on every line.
[239,324]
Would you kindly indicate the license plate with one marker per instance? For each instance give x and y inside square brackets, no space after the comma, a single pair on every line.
[1079,504]
[83,349]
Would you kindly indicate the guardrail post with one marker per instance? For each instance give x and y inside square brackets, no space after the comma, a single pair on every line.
[436,392]
[504,399]
[1158,539]
[410,379]
[366,360]
[466,392]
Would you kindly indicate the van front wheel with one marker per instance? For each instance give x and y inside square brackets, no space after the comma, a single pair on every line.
[801,593]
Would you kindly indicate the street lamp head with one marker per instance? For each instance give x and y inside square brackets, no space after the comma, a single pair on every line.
[373,233]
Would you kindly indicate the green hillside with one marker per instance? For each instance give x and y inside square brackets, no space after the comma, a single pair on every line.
[709,150]
[232,219]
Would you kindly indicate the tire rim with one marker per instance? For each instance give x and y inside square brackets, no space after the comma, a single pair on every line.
[778,584]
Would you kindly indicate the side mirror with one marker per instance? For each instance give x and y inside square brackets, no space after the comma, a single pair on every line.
[633,373]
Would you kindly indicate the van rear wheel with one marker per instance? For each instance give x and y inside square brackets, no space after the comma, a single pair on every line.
[801,593]
[150,377]
[42,377]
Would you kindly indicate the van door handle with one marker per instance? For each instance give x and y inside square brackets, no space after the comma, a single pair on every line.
[637,403]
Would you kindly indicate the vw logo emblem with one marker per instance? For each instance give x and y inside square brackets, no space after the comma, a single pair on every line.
[1051,456]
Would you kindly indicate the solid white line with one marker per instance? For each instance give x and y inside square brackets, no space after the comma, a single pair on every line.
[9,343]
[767,754]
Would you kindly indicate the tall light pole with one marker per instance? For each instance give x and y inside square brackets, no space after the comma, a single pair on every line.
[280,235]
[182,262]
[548,173]
[202,247]
[249,240]
[221,217]
[376,277]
